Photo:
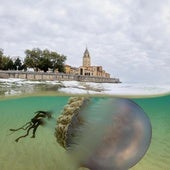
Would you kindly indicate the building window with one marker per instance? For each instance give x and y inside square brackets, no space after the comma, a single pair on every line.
[81,71]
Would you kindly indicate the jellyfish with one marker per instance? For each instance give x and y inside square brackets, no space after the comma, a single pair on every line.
[104,133]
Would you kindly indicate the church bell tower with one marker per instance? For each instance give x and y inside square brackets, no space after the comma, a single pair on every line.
[86,59]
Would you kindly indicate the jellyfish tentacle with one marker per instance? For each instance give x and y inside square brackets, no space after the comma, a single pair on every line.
[22,127]
[40,122]
[30,124]
[37,120]
[25,134]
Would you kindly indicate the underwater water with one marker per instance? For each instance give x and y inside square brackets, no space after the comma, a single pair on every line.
[44,153]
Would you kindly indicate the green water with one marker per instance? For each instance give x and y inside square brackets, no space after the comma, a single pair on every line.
[158,155]
[43,152]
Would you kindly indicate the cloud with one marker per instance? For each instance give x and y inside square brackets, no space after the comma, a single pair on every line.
[130,39]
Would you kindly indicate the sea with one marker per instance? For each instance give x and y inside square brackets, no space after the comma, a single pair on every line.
[19,101]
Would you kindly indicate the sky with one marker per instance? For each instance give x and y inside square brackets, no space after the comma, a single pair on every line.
[129,38]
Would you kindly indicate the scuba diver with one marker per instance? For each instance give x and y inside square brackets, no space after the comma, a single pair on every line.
[35,122]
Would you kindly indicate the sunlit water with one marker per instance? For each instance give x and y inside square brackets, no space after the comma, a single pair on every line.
[44,153]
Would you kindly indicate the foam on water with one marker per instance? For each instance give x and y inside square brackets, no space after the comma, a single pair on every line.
[16,86]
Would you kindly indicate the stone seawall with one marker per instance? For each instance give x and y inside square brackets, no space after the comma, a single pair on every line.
[55,76]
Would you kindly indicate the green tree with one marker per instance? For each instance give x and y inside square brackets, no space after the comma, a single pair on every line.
[1,52]
[18,64]
[1,55]
[7,63]
[58,61]
[10,64]
[24,67]
[44,60]
[44,64]
[32,58]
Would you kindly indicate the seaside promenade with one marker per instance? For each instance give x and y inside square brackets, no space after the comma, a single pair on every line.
[42,76]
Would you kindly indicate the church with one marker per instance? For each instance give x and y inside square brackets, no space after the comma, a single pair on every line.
[88,70]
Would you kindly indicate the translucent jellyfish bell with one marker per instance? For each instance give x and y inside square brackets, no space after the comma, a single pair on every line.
[114,134]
